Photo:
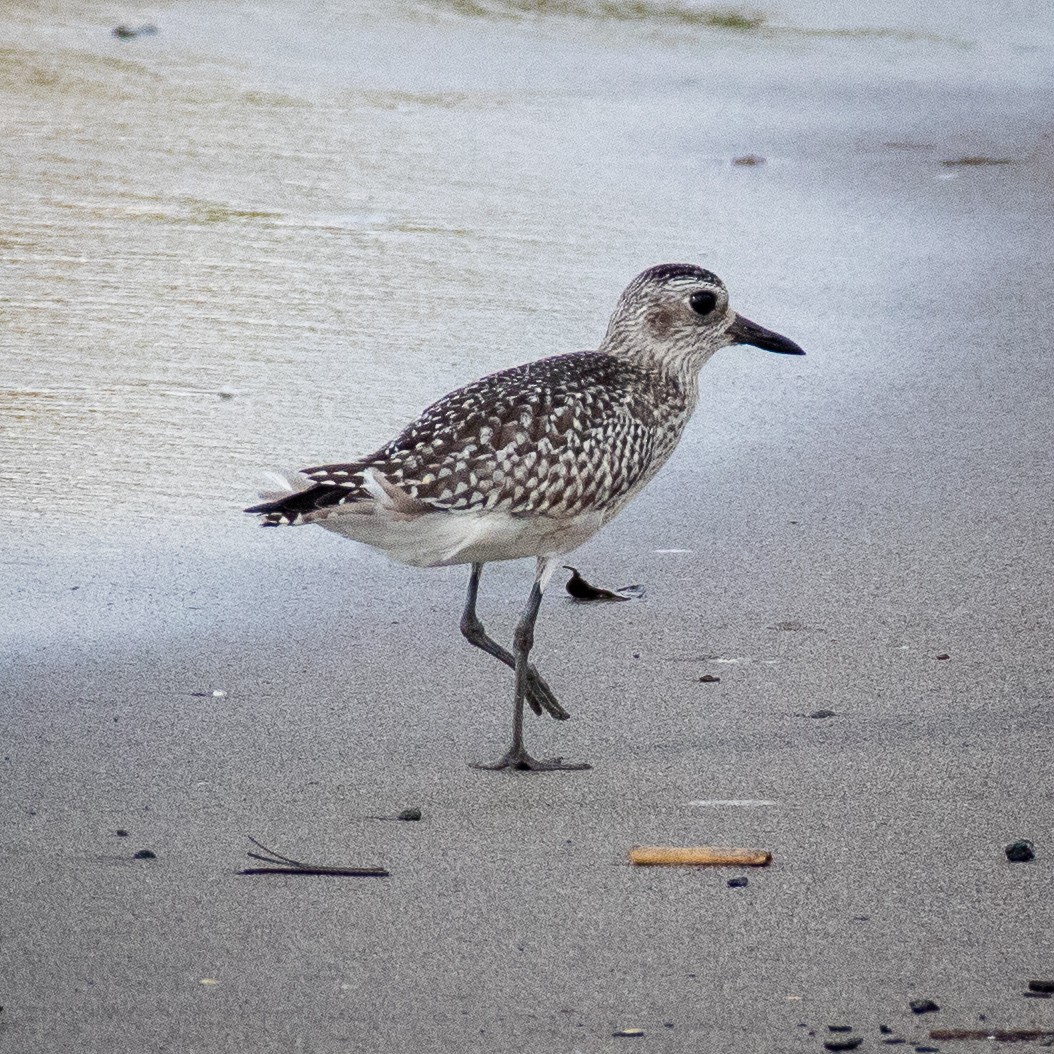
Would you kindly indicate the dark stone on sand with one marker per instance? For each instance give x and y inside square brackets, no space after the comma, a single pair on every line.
[943,655]
[823,713]
[843,1044]
[409,814]
[839,1028]
[580,589]
[1046,987]
[121,832]
[885,1030]
[145,854]
[709,678]
[923,1006]
[1020,852]
[737,883]
[927,1050]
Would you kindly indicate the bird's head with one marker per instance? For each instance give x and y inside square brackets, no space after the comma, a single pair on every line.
[679,315]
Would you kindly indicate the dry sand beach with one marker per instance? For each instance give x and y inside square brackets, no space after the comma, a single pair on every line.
[268,236]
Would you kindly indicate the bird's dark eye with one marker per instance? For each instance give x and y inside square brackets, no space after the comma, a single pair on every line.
[703,302]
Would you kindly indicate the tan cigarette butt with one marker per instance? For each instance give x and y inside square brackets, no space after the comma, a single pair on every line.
[700,855]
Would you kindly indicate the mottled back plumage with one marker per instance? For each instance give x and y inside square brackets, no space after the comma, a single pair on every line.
[553,438]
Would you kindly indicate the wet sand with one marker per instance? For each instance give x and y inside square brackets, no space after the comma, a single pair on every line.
[840,522]
[511,919]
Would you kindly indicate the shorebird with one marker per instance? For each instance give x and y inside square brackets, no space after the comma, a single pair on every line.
[534,460]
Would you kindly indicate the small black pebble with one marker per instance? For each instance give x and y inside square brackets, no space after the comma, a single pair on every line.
[121,832]
[146,854]
[737,883]
[823,713]
[839,1028]
[1020,852]
[923,1006]
[409,814]
[709,678]
[885,1030]
[927,1050]
[1046,987]
[123,32]
[843,1044]
[667,1024]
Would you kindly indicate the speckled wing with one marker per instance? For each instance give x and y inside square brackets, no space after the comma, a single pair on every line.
[555,437]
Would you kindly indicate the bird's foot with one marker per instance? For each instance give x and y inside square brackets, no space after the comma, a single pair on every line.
[540,697]
[521,760]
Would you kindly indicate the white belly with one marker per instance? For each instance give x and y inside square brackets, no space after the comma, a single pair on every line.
[441,538]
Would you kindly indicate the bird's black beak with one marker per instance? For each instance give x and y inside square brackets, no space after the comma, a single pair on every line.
[743,331]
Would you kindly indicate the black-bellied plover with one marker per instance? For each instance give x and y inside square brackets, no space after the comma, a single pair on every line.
[534,460]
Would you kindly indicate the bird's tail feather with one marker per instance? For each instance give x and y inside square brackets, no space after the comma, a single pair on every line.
[289,498]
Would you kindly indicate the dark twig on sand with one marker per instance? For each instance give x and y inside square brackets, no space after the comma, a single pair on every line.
[288,866]
[1000,1035]
[412,814]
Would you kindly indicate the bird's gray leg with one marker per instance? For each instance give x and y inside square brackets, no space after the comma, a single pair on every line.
[539,695]
[517,757]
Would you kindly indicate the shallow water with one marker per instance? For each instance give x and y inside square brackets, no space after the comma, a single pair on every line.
[267,236]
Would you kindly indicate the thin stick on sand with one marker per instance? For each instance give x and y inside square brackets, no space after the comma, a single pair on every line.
[289,866]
